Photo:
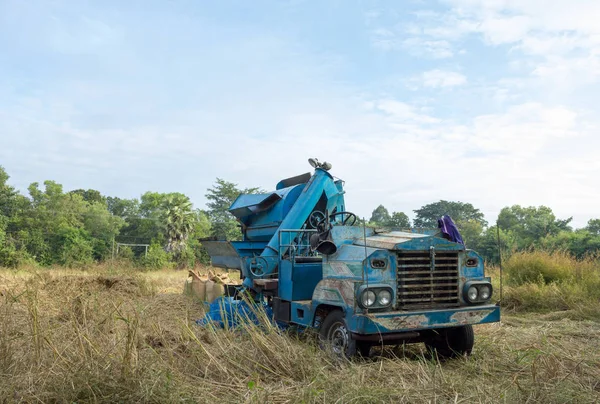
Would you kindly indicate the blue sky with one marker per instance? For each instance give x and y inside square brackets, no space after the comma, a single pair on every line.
[489,102]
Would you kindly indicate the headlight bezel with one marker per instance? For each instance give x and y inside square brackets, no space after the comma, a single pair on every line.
[477,285]
[376,289]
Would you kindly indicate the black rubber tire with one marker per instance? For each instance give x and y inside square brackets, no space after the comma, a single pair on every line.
[452,342]
[334,335]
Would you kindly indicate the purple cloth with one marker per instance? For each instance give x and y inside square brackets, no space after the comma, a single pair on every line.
[449,229]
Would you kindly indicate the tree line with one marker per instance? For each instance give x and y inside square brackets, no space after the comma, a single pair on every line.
[517,228]
[51,226]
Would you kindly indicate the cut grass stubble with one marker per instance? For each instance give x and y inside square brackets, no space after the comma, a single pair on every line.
[96,336]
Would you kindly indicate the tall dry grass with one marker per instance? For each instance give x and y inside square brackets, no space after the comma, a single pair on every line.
[106,335]
[544,281]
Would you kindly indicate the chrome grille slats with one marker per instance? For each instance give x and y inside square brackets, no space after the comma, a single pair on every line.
[426,284]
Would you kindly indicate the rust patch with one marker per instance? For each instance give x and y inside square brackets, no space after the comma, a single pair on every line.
[327,295]
[397,323]
[469,317]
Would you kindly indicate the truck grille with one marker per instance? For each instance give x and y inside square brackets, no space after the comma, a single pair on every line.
[421,285]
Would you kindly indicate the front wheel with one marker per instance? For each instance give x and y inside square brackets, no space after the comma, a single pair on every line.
[334,336]
[452,342]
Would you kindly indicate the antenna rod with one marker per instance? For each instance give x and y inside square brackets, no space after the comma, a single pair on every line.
[499,257]
[366,253]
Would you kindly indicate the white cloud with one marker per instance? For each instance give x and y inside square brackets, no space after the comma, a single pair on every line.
[390,40]
[564,37]
[554,41]
[437,49]
[388,151]
[523,129]
[441,78]
[402,112]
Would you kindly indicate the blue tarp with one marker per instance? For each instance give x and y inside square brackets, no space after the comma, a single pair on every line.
[226,312]
[449,229]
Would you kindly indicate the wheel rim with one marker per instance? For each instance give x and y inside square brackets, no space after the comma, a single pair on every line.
[338,338]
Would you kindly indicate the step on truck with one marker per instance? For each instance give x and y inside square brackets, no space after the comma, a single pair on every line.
[305,255]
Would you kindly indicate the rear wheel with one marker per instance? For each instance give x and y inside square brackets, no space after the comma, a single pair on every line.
[452,342]
[334,336]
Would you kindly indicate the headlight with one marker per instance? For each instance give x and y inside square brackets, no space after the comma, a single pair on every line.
[384,297]
[472,294]
[368,298]
[485,292]
[477,291]
[375,297]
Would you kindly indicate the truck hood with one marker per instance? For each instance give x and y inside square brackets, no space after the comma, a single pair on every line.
[400,240]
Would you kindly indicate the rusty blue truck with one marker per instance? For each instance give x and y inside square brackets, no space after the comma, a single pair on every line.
[312,262]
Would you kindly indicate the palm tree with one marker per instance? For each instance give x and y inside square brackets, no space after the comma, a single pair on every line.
[179,220]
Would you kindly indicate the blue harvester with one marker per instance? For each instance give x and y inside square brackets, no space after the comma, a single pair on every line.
[305,255]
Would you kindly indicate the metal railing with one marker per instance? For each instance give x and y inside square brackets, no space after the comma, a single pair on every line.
[297,243]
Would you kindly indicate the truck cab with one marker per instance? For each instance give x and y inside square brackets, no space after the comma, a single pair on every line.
[309,258]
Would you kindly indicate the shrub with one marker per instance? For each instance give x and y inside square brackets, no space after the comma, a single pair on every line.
[75,248]
[125,253]
[157,258]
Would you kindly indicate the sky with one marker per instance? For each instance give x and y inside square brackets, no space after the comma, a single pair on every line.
[489,102]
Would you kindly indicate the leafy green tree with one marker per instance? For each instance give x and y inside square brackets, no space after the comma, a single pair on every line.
[54,227]
[102,227]
[5,250]
[124,208]
[179,221]
[163,219]
[593,226]
[136,228]
[73,247]
[427,216]
[8,196]
[8,208]
[399,220]
[202,230]
[380,216]
[45,227]
[471,231]
[489,247]
[220,197]
[531,224]
[151,212]
[89,195]
[469,220]
[144,218]
[579,243]
[184,228]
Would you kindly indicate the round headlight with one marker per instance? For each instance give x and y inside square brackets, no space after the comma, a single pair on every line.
[368,298]
[384,297]
[472,293]
[484,292]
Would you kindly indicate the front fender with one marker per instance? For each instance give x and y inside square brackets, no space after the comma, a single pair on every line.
[335,292]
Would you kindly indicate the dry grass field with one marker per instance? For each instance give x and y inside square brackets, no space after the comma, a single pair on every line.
[115,335]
